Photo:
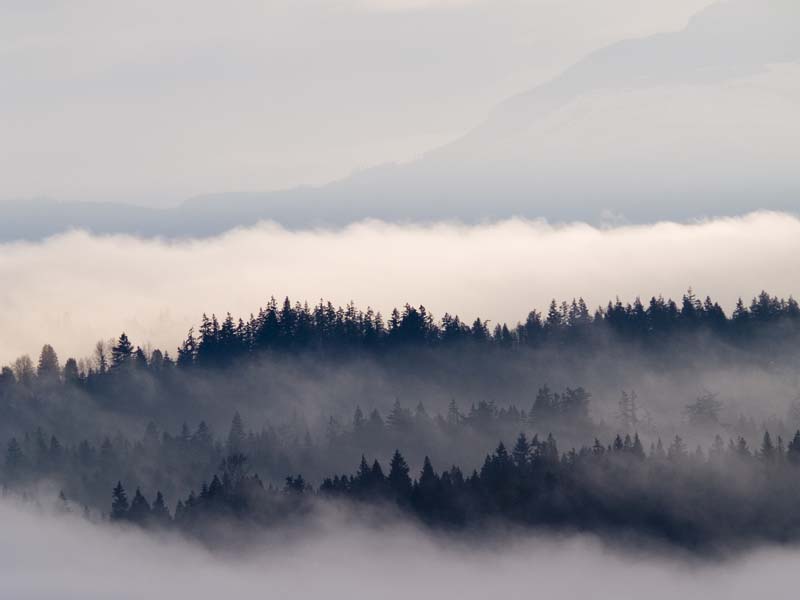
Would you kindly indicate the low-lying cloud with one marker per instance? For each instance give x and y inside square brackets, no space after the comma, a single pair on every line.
[74,289]
[44,557]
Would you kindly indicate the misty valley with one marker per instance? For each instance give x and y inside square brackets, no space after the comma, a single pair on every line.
[399,299]
[666,422]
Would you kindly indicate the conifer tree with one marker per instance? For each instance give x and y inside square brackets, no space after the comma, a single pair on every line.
[119,503]
[521,451]
[139,511]
[48,368]
[399,479]
[15,459]
[72,374]
[159,511]
[122,352]
[236,435]
[767,452]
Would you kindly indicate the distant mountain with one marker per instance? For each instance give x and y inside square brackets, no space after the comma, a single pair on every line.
[700,122]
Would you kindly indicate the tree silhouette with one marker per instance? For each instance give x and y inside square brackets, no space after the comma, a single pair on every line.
[119,503]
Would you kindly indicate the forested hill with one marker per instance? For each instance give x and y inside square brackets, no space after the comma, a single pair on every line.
[311,389]
[568,325]
[294,358]
[298,327]
[723,497]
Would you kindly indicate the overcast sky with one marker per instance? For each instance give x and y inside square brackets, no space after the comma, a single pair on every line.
[153,101]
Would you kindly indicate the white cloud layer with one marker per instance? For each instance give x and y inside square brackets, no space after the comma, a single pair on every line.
[74,289]
[44,557]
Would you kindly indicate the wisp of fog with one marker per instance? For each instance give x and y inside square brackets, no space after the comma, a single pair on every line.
[73,289]
[74,558]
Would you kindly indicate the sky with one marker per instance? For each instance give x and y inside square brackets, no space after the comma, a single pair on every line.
[153,102]
[74,289]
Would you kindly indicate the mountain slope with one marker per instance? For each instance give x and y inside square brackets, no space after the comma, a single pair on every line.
[699,122]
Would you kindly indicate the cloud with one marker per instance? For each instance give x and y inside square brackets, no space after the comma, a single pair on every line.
[43,557]
[74,289]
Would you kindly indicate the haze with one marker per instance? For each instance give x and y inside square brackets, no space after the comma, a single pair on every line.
[163,162]
[347,560]
[153,102]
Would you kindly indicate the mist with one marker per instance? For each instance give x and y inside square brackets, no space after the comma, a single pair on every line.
[73,289]
[73,558]
[399,299]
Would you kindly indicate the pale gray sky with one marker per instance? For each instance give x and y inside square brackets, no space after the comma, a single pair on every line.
[154,101]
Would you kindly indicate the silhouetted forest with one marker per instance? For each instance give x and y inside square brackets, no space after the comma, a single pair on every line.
[323,328]
[311,390]
[725,495]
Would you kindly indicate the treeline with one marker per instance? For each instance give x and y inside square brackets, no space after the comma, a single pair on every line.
[333,331]
[568,324]
[723,496]
[174,461]
[291,355]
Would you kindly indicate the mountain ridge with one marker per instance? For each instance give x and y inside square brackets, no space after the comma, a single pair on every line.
[605,137]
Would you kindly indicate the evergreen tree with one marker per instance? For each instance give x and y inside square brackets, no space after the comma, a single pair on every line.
[677,449]
[202,436]
[521,451]
[122,352]
[119,503]
[159,511]
[399,479]
[767,452]
[48,368]
[399,418]
[793,449]
[358,421]
[139,511]
[72,374]
[236,435]
[15,459]
[187,352]
[454,416]
[628,411]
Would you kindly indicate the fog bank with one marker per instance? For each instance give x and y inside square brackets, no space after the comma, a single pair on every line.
[43,557]
[74,289]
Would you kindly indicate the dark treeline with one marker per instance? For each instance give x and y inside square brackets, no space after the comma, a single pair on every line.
[232,364]
[297,327]
[175,462]
[326,328]
[725,496]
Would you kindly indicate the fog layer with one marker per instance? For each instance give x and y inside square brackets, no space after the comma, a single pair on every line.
[72,558]
[74,289]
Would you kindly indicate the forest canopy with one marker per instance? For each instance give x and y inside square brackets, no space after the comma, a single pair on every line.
[312,389]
